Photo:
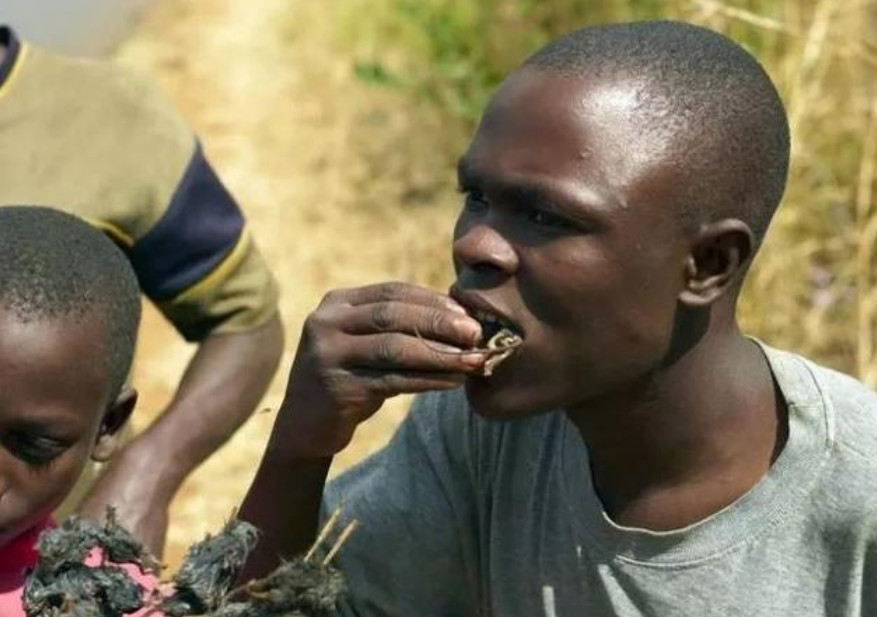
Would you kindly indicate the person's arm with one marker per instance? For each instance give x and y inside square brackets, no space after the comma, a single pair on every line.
[222,385]
[357,349]
[284,504]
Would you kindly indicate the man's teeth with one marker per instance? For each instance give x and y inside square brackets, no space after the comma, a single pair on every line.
[489,318]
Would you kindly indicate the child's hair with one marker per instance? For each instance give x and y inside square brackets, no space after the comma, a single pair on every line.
[703,87]
[55,265]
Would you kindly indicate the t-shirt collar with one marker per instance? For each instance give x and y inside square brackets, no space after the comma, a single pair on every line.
[780,492]
[12,44]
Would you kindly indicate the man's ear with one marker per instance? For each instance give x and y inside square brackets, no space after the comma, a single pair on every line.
[719,257]
[116,416]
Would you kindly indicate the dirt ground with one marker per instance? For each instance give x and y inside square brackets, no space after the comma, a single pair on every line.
[336,186]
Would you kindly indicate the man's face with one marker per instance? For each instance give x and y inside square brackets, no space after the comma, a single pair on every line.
[54,389]
[568,233]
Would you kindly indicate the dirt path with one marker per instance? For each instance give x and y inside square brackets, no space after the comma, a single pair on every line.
[314,157]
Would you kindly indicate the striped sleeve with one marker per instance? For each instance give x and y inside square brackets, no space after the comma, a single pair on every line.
[198,262]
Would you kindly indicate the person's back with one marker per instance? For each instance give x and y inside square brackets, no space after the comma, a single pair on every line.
[93,139]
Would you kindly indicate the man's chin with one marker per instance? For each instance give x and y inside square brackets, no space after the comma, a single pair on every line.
[492,399]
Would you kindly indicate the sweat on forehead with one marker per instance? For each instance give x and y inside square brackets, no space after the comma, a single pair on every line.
[55,266]
[705,94]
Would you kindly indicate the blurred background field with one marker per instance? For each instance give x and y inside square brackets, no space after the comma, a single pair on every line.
[337,125]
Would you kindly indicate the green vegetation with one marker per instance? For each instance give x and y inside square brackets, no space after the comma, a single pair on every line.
[813,287]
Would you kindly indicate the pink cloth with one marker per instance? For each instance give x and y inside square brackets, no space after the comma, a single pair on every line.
[19,555]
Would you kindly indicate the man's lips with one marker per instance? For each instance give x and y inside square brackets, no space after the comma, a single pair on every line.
[491,317]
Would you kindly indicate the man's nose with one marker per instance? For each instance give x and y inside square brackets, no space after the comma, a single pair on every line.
[481,247]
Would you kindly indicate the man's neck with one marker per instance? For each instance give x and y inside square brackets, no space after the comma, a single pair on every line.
[690,441]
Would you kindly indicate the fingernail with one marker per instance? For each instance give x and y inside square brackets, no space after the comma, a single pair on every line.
[469,329]
[456,307]
[474,359]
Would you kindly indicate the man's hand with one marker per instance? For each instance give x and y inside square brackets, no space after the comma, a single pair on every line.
[362,346]
[131,485]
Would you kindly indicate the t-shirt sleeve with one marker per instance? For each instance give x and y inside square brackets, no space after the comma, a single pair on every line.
[414,551]
[110,148]
[158,196]
[199,263]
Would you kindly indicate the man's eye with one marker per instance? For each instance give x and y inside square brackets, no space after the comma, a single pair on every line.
[35,450]
[548,219]
[474,201]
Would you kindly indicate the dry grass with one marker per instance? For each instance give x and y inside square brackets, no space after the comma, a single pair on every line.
[345,182]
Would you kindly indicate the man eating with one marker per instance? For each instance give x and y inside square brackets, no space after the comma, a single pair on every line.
[637,455]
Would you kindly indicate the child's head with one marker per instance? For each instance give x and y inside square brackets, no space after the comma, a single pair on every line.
[69,311]
[617,189]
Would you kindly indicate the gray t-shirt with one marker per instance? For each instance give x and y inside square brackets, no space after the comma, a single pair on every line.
[462,517]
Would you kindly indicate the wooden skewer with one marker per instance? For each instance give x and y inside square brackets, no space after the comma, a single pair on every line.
[340,541]
[324,533]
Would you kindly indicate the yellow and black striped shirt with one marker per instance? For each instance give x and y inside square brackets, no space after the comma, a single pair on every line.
[91,139]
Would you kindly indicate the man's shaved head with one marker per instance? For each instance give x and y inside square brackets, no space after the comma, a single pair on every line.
[55,266]
[706,97]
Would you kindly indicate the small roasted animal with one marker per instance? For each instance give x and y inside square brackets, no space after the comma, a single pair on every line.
[498,347]
[61,585]
[501,345]
[209,570]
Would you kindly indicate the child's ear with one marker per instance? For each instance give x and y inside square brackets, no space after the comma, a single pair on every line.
[718,258]
[116,416]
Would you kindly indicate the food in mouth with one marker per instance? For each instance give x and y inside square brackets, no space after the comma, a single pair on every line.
[501,341]
[501,345]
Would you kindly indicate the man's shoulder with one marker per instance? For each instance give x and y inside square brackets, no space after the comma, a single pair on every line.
[845,494]
[853,407]
[848,406]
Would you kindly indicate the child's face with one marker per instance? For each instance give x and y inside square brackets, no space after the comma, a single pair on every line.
[54,398]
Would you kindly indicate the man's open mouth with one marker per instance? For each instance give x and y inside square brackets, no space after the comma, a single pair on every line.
[499,340]
[491,325]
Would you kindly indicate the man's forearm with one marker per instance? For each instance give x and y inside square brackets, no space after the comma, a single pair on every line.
[284,504]
[222,385]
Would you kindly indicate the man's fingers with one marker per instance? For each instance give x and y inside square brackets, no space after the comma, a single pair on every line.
[427,321]
[403,352]
[393,292]
[385,384]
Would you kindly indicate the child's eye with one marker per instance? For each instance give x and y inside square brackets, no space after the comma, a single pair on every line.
[35,450]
